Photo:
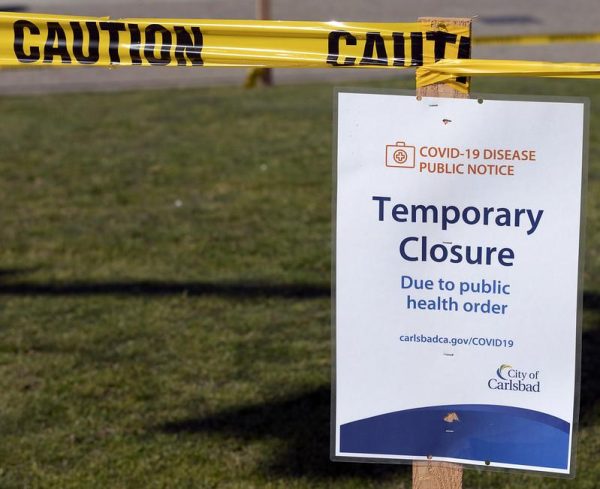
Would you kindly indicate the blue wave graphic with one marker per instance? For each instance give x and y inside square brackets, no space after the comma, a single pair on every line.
[499,434]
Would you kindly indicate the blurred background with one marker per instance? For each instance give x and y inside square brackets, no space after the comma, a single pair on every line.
[166,252]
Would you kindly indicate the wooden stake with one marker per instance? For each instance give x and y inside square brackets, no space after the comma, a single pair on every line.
[436,475]
[263,12]
[428,474]
[442,89]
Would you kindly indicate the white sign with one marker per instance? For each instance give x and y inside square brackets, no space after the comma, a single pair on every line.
[457,279]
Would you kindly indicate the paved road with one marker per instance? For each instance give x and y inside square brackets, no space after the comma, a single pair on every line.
[494,17]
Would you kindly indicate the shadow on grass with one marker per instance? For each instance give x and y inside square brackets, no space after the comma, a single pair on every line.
[301,423]
[239,290]
[591,301]
[14,272]
[590,380]
[590,362]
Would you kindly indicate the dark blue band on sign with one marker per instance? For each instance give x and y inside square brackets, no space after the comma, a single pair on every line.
[498,434]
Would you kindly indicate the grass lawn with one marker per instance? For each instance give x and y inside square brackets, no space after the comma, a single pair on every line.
[164,292]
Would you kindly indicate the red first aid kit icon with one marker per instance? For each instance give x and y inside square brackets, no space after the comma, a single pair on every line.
[400,155]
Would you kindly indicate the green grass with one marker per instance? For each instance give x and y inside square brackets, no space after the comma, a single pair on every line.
[164,292]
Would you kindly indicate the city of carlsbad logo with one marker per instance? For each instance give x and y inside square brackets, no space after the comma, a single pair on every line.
[502,367]
[509,378]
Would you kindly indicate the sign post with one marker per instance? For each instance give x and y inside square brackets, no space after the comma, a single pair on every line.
[263,12]
[439,475]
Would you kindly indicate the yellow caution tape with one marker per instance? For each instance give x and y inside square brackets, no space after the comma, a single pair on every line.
[38,39]
[253,77]
[439,53]
[536,39]
[447,70]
